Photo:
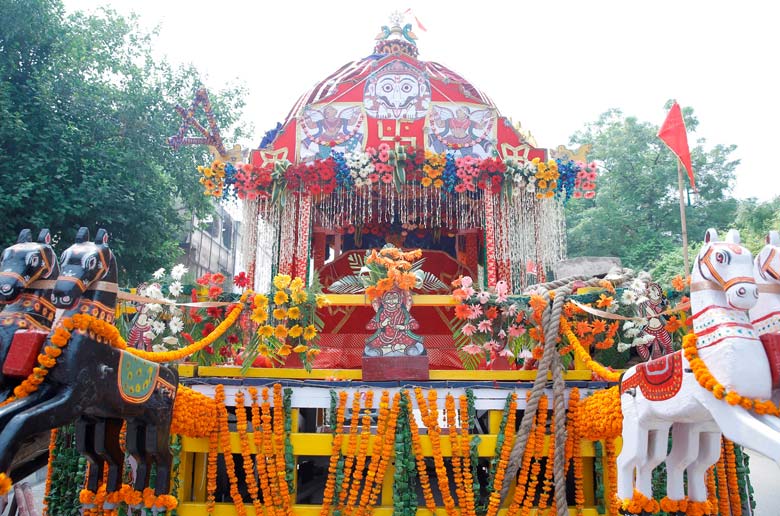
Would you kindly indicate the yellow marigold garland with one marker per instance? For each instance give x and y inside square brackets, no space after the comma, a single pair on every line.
[330,484]
[47,490]
[388,444]
[712,490]
[268,453]
[548,470]
[503,461]
[600,415]
[702,374]
[723,487]
[194,414]
[584,356]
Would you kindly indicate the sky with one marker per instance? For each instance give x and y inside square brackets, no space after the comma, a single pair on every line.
[551,65]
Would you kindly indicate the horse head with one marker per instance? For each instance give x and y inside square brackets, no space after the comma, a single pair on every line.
[727,266]
[25,262]
[767,263]
[82,265]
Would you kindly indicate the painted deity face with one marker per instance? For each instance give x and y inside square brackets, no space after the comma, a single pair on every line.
[391,300]
[397,91]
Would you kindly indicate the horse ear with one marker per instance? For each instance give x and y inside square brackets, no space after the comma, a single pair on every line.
[773,238]
[732,237]
[82,235]
[24,236]
[710,236]
[44,237]
[101,237]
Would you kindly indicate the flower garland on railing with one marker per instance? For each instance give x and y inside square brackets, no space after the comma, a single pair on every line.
[430,416]
[538,448]
[227,454]
[360,463]
[357,170]
[494,500]
[338,437]
[422,468]
[257,436]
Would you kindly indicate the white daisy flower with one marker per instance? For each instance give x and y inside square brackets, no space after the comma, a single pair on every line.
[175,288]
[178,271]
[158,327]
[170,341]
[175,325]
[159,273]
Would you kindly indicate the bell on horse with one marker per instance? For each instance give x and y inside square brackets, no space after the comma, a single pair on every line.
[658,396]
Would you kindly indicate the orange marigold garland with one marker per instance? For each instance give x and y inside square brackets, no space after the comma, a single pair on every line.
[731,477]
[611,459]
[194,414]
[548,470]
[525,468]
[465,451]
[457,462]
[434,433]
[330,484]
[538,449]
[246,453]
[281,465]
[422,468]
[257,435]
[351,455]
[224,436]
[268,453]
[388,443]
[723,488]
[702,374]
[360,463]
[47,490]
[712,492]
[376,454]
[600,415]
[509,438]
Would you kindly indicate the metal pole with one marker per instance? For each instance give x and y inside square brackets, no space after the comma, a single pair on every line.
[683,222]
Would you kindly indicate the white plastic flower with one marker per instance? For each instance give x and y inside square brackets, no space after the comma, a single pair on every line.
[158,327]
[170,341]
[628,297]
[159,273]
[175,288]
[175,325]
[149,335]
[159,348]
[178,271]
[153,291]
[623,346]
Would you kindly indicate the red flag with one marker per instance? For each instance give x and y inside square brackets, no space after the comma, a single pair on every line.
[674,136]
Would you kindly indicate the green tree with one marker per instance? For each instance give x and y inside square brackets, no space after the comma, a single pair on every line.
[85,110]
[635,214]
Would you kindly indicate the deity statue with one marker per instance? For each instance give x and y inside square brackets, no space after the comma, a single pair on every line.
[393,324]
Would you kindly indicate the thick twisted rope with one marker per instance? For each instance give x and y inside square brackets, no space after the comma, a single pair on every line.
[551,361]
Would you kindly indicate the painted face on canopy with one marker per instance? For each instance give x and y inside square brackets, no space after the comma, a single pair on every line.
[397,91]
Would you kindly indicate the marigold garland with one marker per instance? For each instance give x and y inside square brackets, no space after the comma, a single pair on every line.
[639,503]
[538,449]
[351,455]
[211,472]
[712,492]
[723,488]
[257,437]
[278,433]
[246,453]
[731,477]
[702,374]
[194,414]
[498,480]
[227,454]
[576,451]
[584,356]
[548,470]
[611,459]
[49,471]
[388,443]
[600,415]
[457,462]
[431,420]
[268,452]
[525,467]
[422,468]
[465,443]
[330,484]
[360,463]
[376,454]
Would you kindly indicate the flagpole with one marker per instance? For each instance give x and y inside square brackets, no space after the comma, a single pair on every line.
[686,261]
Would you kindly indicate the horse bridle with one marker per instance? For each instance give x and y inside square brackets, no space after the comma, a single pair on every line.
[767,268]
[719,282]
[46,267]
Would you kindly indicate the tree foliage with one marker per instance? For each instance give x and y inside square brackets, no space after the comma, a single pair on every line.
[636,215]
[85,110]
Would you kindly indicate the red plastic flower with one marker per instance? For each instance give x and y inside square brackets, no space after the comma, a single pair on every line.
[241,280]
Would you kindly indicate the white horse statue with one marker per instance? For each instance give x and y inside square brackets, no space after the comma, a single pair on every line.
[765,316]
[664,393]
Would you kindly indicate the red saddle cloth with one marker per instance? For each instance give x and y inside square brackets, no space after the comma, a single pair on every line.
[658,379]
[771,342]
[23,352]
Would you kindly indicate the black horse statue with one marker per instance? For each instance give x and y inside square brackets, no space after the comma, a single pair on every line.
[27,273]
[96,385]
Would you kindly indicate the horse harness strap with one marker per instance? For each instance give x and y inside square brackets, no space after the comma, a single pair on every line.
[104,286]
[768,288]
[767,268]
